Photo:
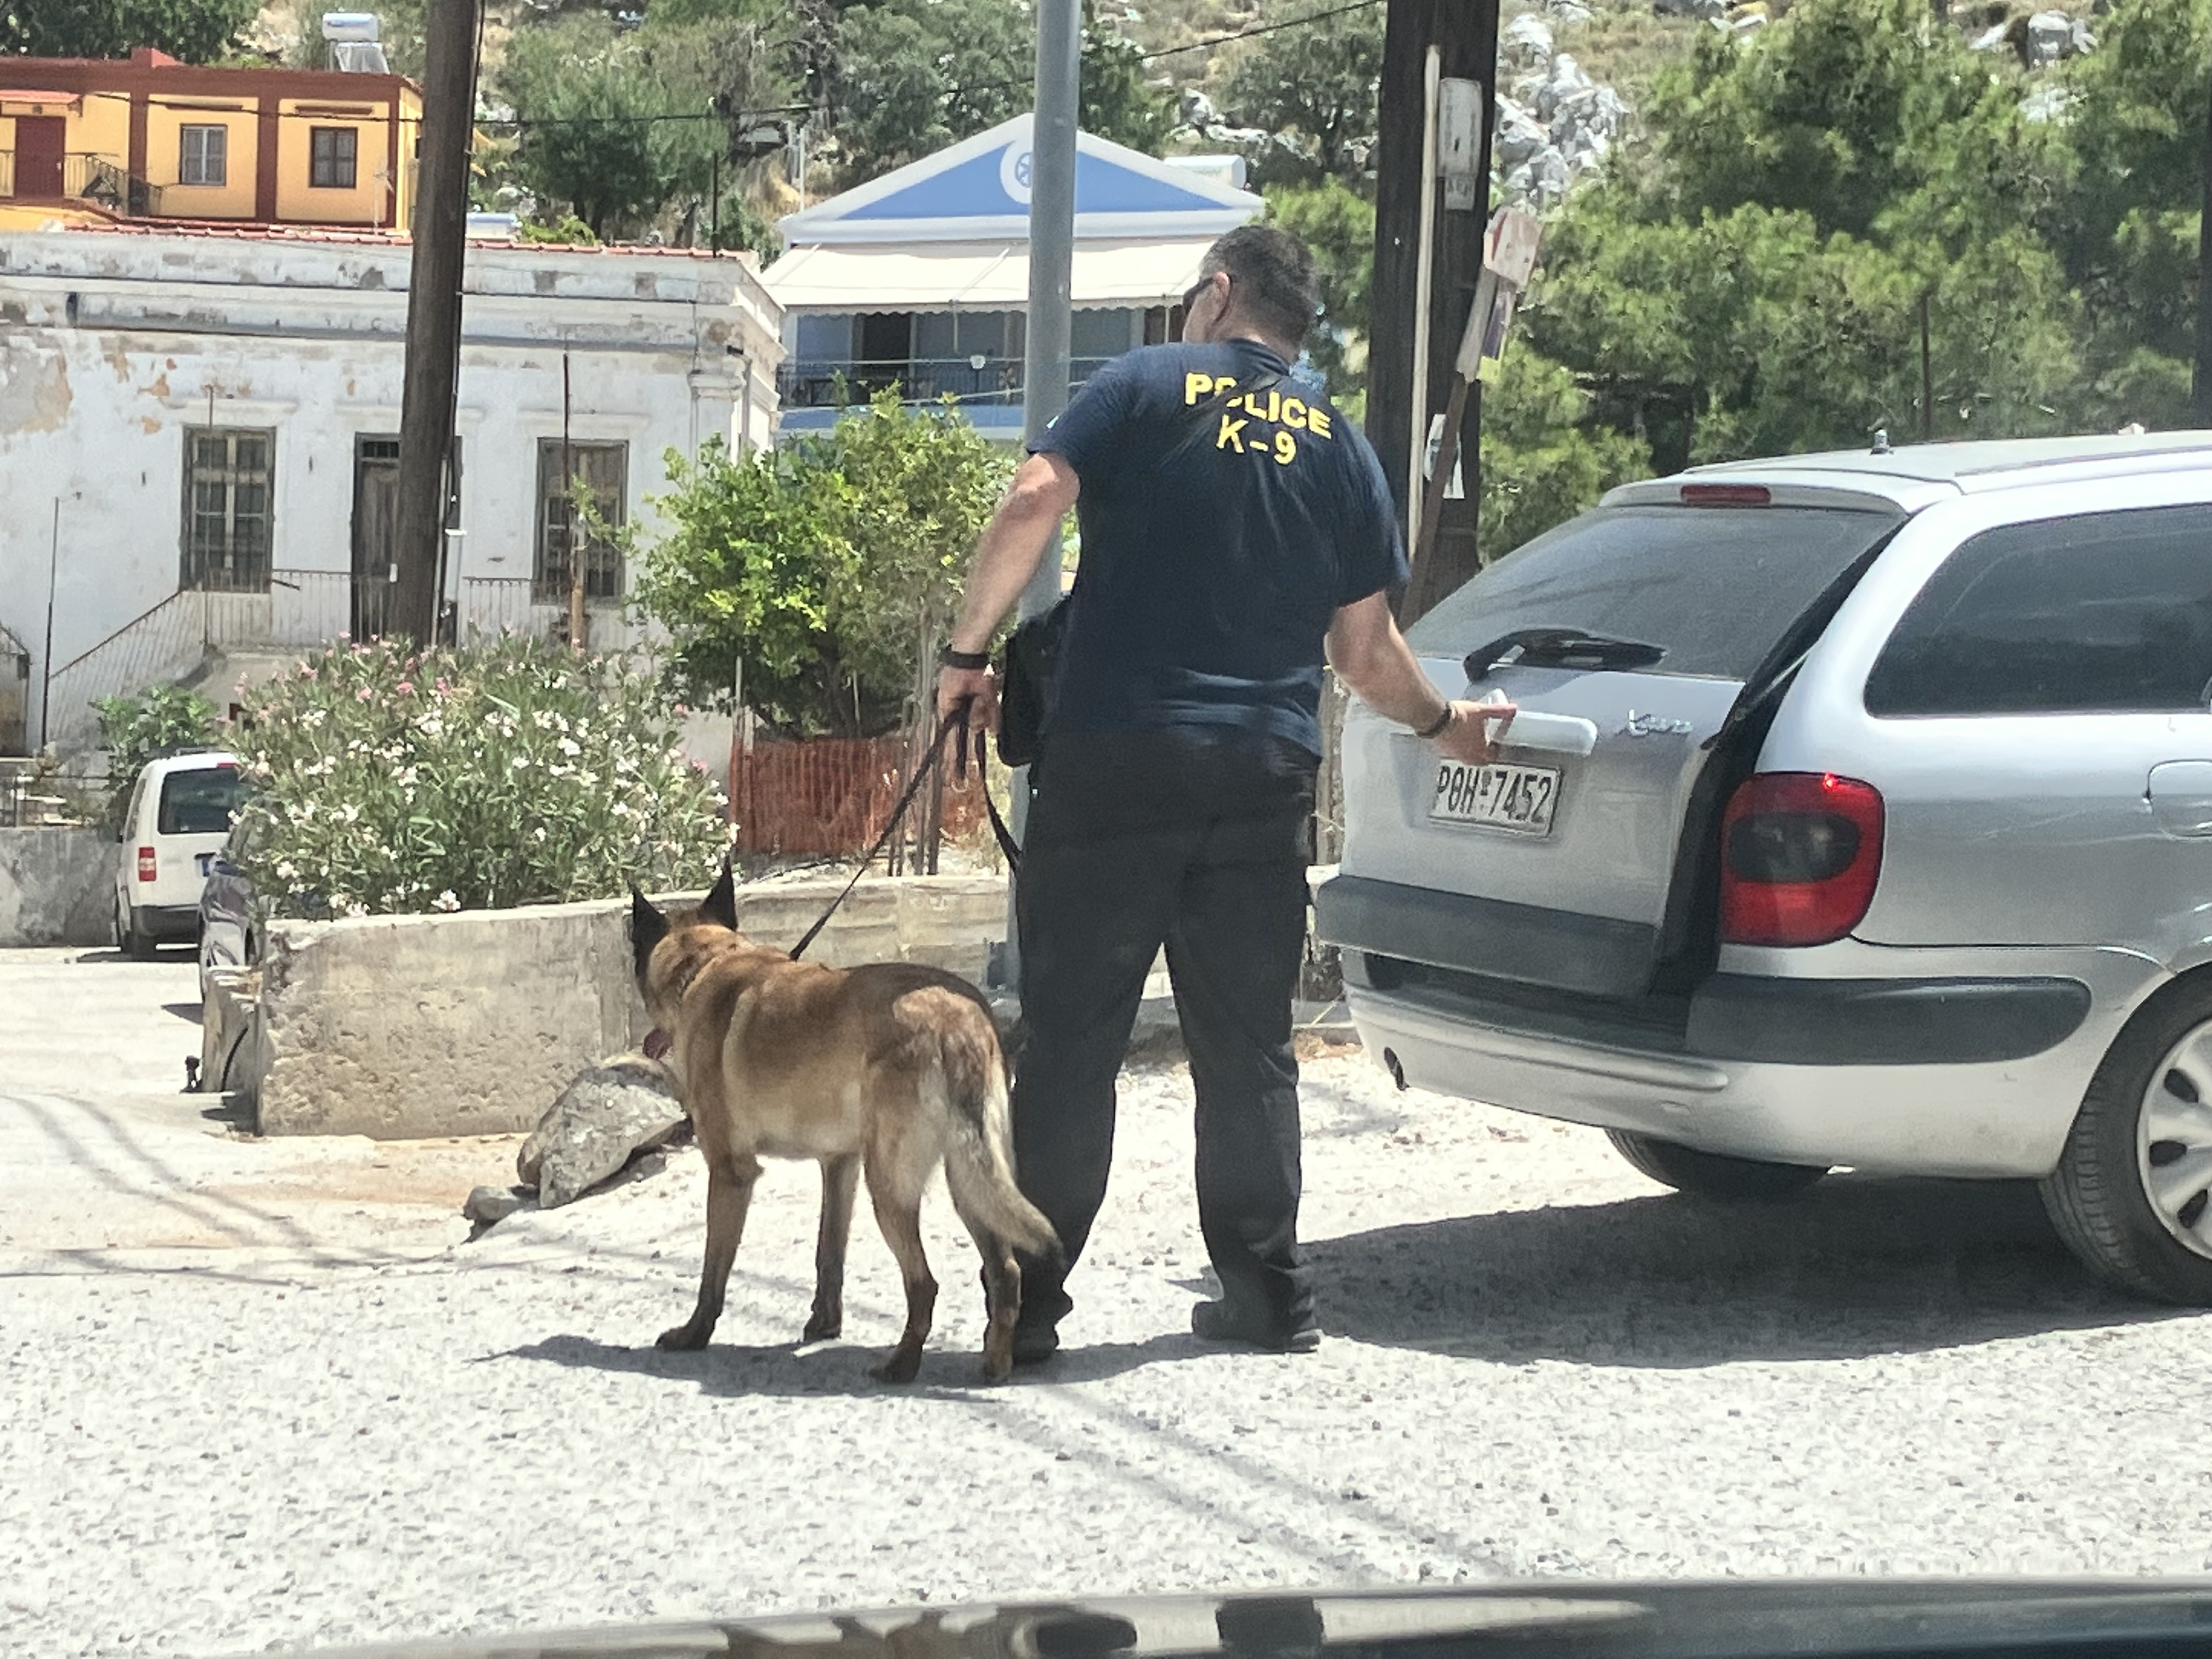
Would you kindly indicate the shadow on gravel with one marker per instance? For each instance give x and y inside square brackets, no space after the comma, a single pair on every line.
[785,1371]
[1858,1266]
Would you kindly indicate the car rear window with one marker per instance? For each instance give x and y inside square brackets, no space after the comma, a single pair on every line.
[2098,613]
[200,802]
[1717,587]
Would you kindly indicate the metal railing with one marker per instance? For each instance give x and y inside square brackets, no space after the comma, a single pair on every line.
[299,611]
[84,177]
[825,384]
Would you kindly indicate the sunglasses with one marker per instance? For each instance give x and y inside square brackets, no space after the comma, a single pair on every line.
[1190,294]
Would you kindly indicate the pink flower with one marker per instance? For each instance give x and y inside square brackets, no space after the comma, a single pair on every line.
[361,695]
[405,688]
[681,710]
[444,686]
[307,670]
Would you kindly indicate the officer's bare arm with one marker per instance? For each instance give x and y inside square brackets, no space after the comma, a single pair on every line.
[1006,554]
[1371,656]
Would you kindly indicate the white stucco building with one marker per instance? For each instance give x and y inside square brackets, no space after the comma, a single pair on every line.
[198,436]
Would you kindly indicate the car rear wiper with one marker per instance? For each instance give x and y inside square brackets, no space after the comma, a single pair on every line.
[1562,647]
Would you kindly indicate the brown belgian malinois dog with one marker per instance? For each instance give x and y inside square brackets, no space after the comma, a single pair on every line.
[887,1070]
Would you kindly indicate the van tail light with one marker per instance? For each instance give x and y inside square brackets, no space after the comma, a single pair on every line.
[145,864]
[1801,853]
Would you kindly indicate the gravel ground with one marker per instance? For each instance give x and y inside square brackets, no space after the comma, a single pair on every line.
[1537,1364]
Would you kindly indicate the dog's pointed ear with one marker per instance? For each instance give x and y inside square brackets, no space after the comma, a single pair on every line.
[721,901]
[647,927]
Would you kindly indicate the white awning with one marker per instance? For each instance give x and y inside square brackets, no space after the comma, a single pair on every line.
[978,278]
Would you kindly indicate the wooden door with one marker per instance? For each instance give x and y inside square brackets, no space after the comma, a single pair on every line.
[375,517]
[41,143]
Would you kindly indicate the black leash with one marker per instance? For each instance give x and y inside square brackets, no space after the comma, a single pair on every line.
[957,720]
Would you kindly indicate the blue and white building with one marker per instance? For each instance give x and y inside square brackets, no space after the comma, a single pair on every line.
[921,278]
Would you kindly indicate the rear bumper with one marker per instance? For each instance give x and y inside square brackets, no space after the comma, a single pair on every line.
[166,921]
[1943,1073]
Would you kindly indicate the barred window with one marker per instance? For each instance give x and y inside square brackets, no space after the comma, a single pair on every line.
[228,499]
[604,469]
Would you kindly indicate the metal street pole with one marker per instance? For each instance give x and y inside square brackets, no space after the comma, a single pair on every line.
[46,656]
[1052,265]
[434,315]
[2201,388]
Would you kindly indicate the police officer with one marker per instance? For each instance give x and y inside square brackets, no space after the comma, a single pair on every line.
[1233,525]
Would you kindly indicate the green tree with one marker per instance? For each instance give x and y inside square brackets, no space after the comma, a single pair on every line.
[133,730]
[1315,88]
[1543,459]
[819,564]
[1121,103]
[2128,231]
[915,76]
[195,31]
[616,125]
[1339,225]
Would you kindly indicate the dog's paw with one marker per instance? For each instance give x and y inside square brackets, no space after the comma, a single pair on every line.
[684,1339]
[823,1327]
[993,1371]
[900,1367]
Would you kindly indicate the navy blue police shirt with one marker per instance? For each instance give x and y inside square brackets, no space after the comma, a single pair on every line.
[1222,531]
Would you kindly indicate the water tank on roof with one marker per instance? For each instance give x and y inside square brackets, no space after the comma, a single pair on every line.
[1222,169]
[349,26]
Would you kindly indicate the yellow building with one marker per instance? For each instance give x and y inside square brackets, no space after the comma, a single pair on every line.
[152,138]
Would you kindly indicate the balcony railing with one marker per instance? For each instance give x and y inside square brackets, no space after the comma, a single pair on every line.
[826,385]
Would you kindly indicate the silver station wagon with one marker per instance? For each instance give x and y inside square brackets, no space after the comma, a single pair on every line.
[1861,816]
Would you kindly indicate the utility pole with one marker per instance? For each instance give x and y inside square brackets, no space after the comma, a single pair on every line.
[1050,320]
[1402,392]
[433,314]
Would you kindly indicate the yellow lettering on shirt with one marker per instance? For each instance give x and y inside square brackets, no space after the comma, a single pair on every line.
[1194,386]
[1317,422]
[1230,435]
[1274,408]
[1294,414]
[1286,448]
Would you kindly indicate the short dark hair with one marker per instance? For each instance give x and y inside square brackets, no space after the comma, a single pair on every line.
[1271,279]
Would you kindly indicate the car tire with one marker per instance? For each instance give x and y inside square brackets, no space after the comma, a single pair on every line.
[1710,1175]
[128,939]
[2103,1197]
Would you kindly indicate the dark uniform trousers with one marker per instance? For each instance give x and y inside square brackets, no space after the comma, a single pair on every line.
[1197,840]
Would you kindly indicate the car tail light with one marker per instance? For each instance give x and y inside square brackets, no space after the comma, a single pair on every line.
[1800,855]
[145,864]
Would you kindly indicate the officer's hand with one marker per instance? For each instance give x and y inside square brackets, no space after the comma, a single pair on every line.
[978,687]
[1473,735]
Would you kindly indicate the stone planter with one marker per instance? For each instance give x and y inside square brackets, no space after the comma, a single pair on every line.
[396,1027]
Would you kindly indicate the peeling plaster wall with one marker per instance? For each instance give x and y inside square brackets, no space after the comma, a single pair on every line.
[112,346]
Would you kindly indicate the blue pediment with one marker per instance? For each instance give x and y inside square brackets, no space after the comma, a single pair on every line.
[980,188]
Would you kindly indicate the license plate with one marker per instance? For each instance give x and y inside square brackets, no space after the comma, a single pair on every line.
[1521,799]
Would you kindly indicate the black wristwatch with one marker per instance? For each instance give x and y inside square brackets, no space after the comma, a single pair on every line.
[1437,725]
[968,662]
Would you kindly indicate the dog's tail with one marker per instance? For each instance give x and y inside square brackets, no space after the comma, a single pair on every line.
[979,1153]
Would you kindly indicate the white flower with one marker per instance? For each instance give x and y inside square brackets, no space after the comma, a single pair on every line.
[538,834]
[349,812]
[542,719]
[571,747]
[286,870]
[446,901]
[356,908]
[519,762]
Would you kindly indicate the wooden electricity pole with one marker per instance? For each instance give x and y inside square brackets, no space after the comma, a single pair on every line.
[1404,394]
[433,314]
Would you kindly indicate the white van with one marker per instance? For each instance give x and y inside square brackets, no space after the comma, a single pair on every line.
[179,817]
